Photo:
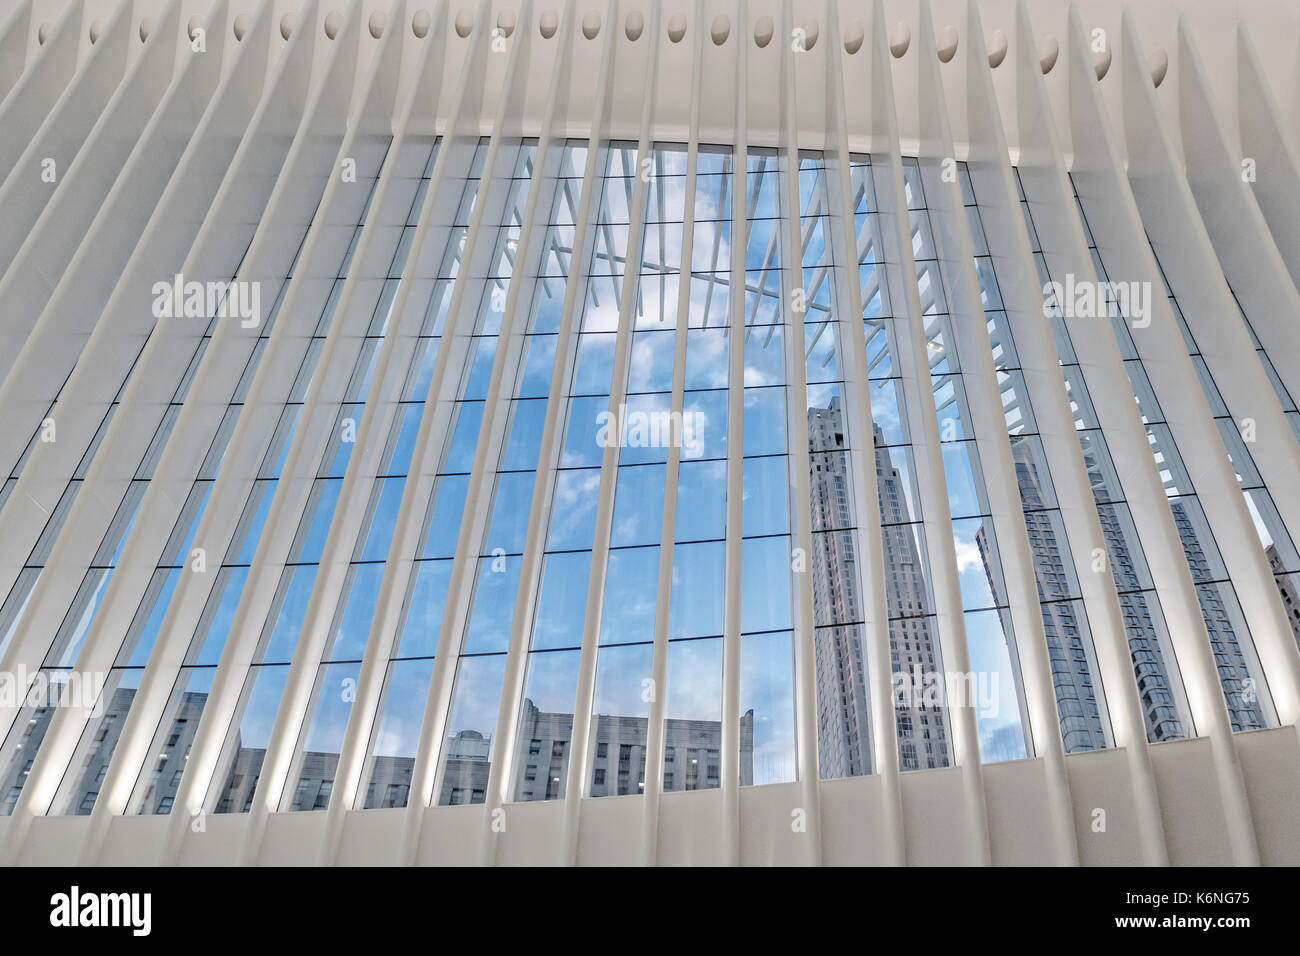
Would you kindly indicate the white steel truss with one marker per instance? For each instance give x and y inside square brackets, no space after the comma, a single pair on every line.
[426,196]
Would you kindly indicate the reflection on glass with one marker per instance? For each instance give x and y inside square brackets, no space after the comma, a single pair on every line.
[391,757]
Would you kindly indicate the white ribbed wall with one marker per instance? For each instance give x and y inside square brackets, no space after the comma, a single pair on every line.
[158,148]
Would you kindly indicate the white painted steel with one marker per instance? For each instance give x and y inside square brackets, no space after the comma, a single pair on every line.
[165,153]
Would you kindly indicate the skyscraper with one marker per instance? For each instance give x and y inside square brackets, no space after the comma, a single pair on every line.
[1286,585]
[843,729]
[1072,668]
